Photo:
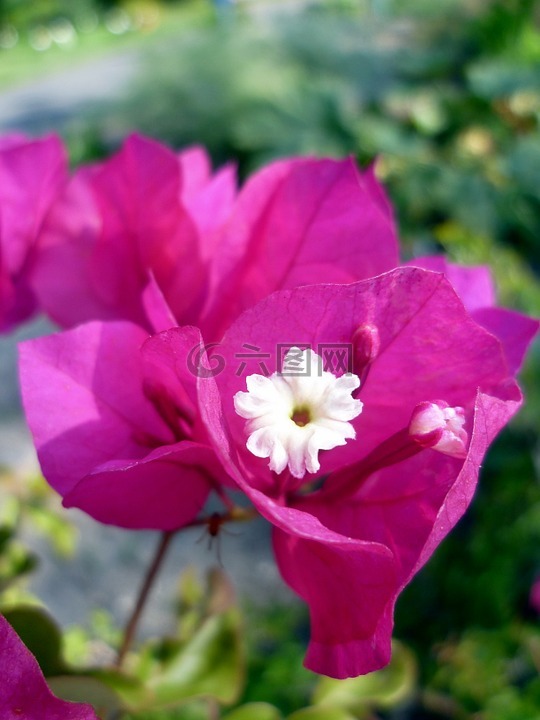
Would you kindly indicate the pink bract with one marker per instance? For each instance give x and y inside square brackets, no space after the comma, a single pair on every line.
[115,437]
[138,218]
[349,547]
[32,173]
[24,693]
[148,217]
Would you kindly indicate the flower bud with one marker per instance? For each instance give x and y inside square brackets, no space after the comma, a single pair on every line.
[438,426]
[366,344]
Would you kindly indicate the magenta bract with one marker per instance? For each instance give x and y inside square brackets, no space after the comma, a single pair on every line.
[24,694]
[350,546]
[149,216]
[299,222]
[32,173]
[115,436]
[138,217]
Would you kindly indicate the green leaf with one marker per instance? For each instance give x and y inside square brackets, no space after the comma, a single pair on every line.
[210,664]
[221,594]
[15,561]
[131,691]
[499,77]
[191,590]
[59,532]
[383,689]
[255,711]
[321,713]
[86,690]
[41,635]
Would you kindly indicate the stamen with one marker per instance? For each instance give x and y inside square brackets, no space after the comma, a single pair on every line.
[301,416]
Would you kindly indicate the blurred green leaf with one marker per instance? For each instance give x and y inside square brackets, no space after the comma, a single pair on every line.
[254,711]
[41,635]
[191,598]
[383,689]
[86,690]
[210,664]
[56,527]
[321,713]
[130,690]
[15,561]
[221,594]
[498,78]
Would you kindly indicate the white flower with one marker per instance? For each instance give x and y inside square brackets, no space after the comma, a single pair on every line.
[291,416]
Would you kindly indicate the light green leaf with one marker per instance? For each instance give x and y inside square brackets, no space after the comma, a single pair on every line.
[86,690]
[191,590]
[15,560]
[321,713]
[57,529]
[255,711]
[221,594]
[131,691]
[210,664]
[383,689]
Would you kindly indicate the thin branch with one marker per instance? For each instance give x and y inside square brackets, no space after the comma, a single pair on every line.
[213,522]
[131,627]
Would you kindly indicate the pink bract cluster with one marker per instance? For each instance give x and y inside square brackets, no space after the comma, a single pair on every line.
[184,301]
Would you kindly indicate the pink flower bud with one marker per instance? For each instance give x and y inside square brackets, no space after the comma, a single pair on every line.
[438,426]
[366,345]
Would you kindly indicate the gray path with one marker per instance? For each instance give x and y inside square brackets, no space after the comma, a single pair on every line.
[56,102]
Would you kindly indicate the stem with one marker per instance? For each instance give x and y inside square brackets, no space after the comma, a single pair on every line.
[234,514]
[131,627]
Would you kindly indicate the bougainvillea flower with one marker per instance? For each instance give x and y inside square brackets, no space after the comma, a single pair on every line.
[115,426]
[145,215]
[435,390]
[32,173]
[24,694]
[148,217]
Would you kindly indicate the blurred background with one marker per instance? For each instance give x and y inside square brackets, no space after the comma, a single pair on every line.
[446,94]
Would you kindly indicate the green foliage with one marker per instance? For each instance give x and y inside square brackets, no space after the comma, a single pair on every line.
[277,639]
[321,713]
[492,671]
[382,690]
[255,711]
[450,102]
[206,662]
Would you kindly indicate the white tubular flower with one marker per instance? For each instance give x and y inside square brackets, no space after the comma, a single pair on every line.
[290,417]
